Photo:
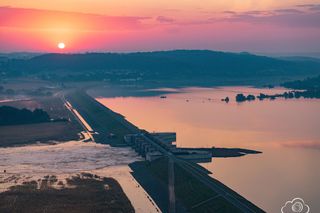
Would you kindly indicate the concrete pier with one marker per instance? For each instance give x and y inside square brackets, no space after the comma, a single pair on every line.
[145,146]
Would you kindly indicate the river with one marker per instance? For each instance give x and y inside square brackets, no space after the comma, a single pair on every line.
[286,131]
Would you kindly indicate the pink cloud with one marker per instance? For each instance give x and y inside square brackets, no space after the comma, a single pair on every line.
[44,19]
[34,29]
[281,17]
[163,19]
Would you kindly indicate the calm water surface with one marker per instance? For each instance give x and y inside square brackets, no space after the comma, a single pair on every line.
[286,131]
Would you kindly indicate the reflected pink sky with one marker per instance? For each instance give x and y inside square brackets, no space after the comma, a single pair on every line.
[286,131]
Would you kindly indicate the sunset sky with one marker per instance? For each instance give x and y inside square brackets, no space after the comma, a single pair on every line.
[270,26]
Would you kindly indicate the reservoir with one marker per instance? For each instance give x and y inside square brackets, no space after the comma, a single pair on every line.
[286,131]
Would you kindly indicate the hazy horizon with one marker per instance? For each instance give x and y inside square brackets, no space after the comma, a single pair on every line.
[269,54]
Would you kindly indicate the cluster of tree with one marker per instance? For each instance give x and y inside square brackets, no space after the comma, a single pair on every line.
[241,98]
[290,95]
[314,93]
[12,116]
[306,84]
[309,88]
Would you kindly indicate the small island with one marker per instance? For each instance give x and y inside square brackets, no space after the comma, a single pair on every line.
[241,98]
[225,99]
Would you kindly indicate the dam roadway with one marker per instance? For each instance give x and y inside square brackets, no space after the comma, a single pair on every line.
[112,127]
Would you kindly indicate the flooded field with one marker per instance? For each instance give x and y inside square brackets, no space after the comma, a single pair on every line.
[65,160]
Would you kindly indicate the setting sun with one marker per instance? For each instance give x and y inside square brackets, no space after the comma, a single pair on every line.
[61,45]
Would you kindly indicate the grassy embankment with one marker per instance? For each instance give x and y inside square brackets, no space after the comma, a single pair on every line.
[112,127]
[193,194]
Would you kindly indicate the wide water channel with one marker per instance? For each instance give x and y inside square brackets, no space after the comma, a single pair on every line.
[286,131]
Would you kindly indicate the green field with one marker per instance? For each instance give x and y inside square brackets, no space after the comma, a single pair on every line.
[16,135]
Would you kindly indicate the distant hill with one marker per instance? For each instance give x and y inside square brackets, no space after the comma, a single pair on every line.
[300,58]
[19,55]
[178,64]
[3,59]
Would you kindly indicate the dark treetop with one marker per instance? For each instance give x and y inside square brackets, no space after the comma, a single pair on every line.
[12,116]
